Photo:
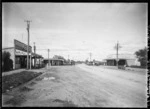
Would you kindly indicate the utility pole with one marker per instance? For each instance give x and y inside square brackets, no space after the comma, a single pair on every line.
[90,56]
[48,58]
[22,37]
[68,57]
[34,55]
[117,48]
[30,59]
[28,27]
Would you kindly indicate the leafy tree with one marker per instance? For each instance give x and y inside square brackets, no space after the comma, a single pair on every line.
[6,61]
[142,56]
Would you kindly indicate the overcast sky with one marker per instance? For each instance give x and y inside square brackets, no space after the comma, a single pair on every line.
[76,29]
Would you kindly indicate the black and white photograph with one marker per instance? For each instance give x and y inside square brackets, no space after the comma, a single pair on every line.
[74,54]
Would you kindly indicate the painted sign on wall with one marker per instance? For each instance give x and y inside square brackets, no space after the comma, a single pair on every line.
[21,46]
[19,52]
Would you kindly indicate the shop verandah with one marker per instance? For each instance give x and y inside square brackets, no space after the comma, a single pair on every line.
[18,56]
[35,60]
[53,62]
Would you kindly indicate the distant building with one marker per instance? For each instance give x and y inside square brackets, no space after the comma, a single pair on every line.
[54,62]
[98,63]
[128,60]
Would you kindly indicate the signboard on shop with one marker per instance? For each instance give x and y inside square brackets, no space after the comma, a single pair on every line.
[19,52]
[21,46]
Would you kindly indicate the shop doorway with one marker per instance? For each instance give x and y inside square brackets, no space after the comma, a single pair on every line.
[23,61]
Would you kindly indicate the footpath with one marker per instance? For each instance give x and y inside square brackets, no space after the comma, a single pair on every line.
[20,70]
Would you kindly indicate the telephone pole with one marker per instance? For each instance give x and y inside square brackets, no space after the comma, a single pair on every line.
[22,37]
[90,56]
[48,58]
[28,27]
[117,48]
[34,55]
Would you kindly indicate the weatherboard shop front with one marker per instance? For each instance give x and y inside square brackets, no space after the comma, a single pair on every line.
[19,54]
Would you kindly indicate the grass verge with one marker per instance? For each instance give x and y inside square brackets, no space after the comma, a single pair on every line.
[142,67]
[11,81]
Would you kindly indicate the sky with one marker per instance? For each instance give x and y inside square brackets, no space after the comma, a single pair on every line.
[74,30]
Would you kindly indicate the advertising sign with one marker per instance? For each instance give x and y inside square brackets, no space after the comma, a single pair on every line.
[19,52]
[21,46]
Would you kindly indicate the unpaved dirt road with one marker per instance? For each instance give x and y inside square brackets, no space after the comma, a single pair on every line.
[82,86]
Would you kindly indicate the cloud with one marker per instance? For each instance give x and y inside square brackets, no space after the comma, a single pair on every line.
[77,29]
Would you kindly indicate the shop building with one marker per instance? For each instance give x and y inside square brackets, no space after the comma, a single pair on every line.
[53,61]
[19,55]
[122,60]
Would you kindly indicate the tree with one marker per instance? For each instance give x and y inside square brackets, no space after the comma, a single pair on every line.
[142,56]
[6,61]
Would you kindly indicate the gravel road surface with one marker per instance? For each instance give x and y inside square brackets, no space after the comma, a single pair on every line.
[81,86]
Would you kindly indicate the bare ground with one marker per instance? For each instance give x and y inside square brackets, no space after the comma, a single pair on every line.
[81,86]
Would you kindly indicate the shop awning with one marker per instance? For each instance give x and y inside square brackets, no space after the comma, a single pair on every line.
[34,55]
